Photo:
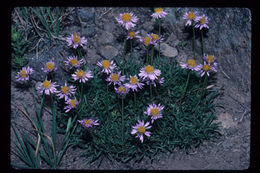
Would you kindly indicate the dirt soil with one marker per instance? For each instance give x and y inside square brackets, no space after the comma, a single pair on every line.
[229,39]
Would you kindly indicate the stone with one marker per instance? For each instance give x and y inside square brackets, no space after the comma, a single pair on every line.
[172,40]
[109,26]
[167,50]
[108,51]
[86,15]
[89,31]
[92,56]
[106,38]
[226,120]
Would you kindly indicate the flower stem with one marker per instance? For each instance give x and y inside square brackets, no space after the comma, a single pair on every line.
[151,92]
[202,43]
[186,85]
[194,44]
[124,52]
[159,55]
[135,101]
[81,90]
[147,55]
[122,126]
[152,56]
[79,52]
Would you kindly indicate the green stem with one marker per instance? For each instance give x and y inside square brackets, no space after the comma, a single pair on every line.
[152,56]
[151,94]
[147,55]
[135,101]
[194,44]
[186,85]
[79,52]
[202,43]
[159,22]
[81,90]
[122,120]
[54,129]
[124,52]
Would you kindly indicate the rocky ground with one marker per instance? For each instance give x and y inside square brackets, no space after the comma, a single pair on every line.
[229,39]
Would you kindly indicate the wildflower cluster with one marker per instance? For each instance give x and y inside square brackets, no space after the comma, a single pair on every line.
[80,95]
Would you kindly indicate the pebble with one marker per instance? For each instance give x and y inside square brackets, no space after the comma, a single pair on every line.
[108,51]
[167,50]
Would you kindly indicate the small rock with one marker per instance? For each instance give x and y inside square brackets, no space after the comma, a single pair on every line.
[226,120]
[89,31]
[108,51]
[92,56]
[106,38]
[172,40]
[86,15]
[109,26]
[148,26]
[167,50]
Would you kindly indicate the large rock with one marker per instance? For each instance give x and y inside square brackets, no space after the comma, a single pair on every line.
[167,50]
[108,51]
[106,38]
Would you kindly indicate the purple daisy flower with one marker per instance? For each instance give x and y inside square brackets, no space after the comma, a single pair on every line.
[73,62]
[147,41]
[75,40]
[206,68]
[133,34]
[191,65]
[66,91]
[127,20]
[82,76]
[148,72]
[155,39]
[71,104]
[153,82]
[210,59]
[49,67]
[47,87]
[159,13]
[122,90]
[115,78]
[24,74]
[134,83]
[202,22]
[88,122]
[155,111]
[190,17]
[108,66]
[140,129]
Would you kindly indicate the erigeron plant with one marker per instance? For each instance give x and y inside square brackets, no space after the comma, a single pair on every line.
[118,113]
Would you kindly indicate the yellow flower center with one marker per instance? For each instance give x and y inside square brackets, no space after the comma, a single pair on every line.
[122,89]
[191,63]
[46,84]
[49,66]
[87,122]
[147,41]
[23,73]
[206,67]
[133,80]
[158,10]
[74,62]
[155,111]
[154,37]
[81,74]
[149,69]
[131,34]
[106,63]
[73,102]
[126,17]
[202,20]
[114,77]
[65,89]
[141,129]
[191,15]
[76,38]
[210,58]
